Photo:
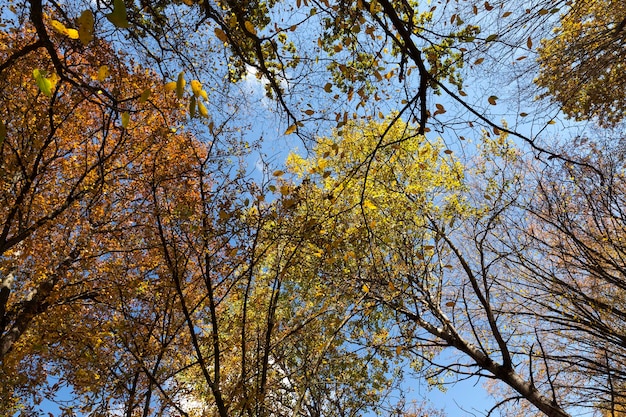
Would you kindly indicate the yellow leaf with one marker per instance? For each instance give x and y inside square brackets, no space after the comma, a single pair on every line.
[204,95]
[72,34]
[368,204]
[365,288]
[203,110]
[85,27]
[291,129]
[278,173]
[103,72]
[250,27]
[196,87]
[171,86]
[58,26]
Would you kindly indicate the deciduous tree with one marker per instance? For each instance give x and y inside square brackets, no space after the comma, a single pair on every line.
[403,228]
[582,64]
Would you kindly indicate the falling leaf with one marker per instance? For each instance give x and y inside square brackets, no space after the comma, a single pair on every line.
[58,26]
[125,119]
[221,35]
[291,129]
[192,107]
[85,27]
[44,84]
[249,27]
[202,109]
[103,73]
[492,100]
[196,87]
[145,95]
[118,16]
[180,85]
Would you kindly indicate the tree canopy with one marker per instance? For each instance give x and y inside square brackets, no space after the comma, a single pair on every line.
[445,204]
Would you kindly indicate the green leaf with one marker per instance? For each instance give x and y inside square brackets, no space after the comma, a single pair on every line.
[192,107]
[145,95]
[125,119]
[44,84]
[180,85]
[118,17]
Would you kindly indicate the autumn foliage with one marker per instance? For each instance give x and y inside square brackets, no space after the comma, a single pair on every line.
[155,261]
